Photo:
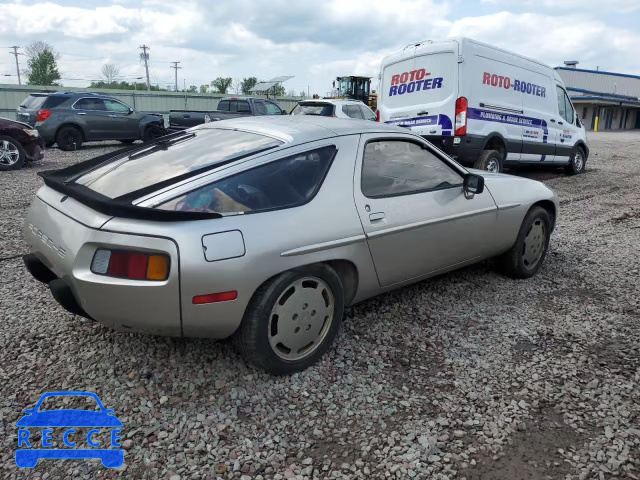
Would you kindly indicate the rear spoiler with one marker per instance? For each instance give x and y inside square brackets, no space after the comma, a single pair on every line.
[62,180]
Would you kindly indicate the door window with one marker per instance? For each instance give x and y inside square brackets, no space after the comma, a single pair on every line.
[273,109]
[243,106]
[367,113]
[90,104]
[564,105]
[223,106]
[352,111]
[114,106]
[399,167]
[260,108]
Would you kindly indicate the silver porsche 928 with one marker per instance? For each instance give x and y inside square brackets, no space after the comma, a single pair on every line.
[266,228]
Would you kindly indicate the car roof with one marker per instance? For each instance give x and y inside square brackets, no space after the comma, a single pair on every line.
[331,100]
[296,129]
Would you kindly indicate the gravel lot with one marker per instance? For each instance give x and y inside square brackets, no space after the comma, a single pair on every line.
[470,375]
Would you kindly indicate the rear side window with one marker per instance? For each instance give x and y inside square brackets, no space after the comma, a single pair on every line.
[397,167]
[243,106]
[223,105]
[33,101]
[284,183]
[90,104]
[321,109]
[55,101]
[352,111]
[185,154]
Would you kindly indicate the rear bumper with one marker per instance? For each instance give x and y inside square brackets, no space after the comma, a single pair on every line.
[466,152]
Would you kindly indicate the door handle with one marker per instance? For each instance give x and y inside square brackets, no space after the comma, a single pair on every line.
[560,123]
[374,217]
[562,140]
[424,112]
[81,113]
[553,120]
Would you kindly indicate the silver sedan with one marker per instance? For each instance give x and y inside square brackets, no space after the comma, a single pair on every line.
[265,229]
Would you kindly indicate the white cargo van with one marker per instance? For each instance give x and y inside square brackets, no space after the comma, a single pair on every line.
[484,106]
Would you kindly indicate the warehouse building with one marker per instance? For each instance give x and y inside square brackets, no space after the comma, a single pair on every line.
[603,100]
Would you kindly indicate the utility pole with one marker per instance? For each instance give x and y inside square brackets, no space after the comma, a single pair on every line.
[15,54]
[175,68]
[145,56]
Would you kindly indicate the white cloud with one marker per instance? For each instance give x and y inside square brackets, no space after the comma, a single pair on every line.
[577,5]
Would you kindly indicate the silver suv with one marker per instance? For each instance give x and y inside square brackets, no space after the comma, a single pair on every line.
[72,118]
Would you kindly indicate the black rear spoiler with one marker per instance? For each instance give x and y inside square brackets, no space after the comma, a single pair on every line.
[62,180]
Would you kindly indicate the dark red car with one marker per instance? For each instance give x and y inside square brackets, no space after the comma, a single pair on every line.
[19,143]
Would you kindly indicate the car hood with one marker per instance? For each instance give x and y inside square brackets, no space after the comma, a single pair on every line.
[69,418]
[7,122]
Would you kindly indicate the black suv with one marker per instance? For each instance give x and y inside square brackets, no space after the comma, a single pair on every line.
[72,118]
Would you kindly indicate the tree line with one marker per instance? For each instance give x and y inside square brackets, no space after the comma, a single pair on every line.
[42,69]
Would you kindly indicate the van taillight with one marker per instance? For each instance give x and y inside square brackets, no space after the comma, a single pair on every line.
[43,115]
[377,115]
[461,116]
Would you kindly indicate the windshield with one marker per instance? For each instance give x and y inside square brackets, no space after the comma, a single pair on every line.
[194,151]
[322,109]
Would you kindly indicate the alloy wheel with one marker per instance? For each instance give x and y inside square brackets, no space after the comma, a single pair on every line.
[301,318]
[9,153]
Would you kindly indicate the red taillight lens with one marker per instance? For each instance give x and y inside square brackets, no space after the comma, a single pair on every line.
[43,115]
[132,265]
[215,297]
[377,115]
[461,116]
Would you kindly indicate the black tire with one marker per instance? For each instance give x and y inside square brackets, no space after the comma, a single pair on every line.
[252,337]
[577,162]
[152,132]
[69,138]
[12,155]
[513,262]
[127,142]
[489,158]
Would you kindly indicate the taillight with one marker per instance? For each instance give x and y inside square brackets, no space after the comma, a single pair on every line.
[131,265]
[43,115]
[377,115]
[461,116]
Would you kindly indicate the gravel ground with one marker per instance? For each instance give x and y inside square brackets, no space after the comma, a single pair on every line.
[470,375]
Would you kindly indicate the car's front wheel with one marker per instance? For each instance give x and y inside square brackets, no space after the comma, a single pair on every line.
[12,154]
[525,258]
[292,320]
[152,132]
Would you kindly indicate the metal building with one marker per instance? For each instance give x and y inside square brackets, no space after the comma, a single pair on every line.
[603,100]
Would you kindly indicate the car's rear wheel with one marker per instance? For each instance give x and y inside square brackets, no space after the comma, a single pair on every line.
[525,258]
[69,138]
[292,320]
[152,132]
[12,155]
[490,160]
[577,162]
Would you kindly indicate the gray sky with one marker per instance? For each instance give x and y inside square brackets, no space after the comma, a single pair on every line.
[315,41]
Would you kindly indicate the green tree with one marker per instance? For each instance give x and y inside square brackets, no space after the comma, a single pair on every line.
[247,84]
[42,65]
[203,88]
[140,86]
[221,84]
[192,89]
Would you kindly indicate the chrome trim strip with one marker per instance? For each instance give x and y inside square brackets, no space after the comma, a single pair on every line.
[508,206]
[435,221]
[317,247]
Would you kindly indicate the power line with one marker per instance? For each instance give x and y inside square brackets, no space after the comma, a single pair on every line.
[145,56]
[15,54]
[176,68]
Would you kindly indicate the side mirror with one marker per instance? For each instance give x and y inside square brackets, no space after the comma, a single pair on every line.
[473,184]
[130,111]
[284,112]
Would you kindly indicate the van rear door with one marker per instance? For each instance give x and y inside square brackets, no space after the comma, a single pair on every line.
[419,90]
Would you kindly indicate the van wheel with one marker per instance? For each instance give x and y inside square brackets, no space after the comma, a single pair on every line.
[490,160]
[69,138]
[577,162]
[292,320]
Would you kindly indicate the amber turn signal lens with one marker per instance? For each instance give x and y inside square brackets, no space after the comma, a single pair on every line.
[158,267]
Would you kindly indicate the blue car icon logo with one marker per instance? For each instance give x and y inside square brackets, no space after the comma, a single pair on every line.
[28,454]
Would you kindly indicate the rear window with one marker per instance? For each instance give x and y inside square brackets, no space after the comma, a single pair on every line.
[322,109]
[55,100]
[33,101]
[284,183]
[184,154]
